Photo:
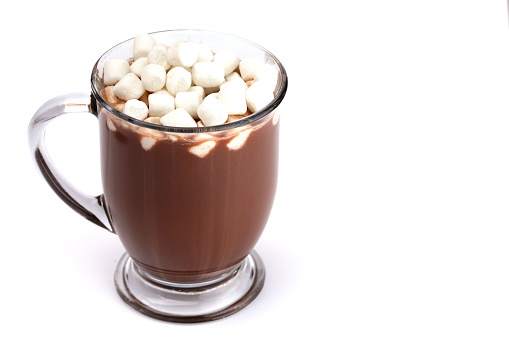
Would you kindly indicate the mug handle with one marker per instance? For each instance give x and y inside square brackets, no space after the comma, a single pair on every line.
[91,208]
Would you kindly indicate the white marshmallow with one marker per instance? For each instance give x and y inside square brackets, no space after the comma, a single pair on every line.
[233,96]
[204,52]
[232,76]
[178,118]
[197,89]
[208,74]
[178,80]
[258,95]
[143,43]
[182,53]
[160,104]
[190,101]
[136,109]
[137,66]
[267,73]
[202,149]
[236,81]
[162,91]
[153,77]
[114,70]
[129,87]
[248,67]
[212,111]
[157,55]
[147,143]
[228,59]
[240,140]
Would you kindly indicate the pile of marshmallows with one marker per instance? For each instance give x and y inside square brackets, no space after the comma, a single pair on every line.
[185,84]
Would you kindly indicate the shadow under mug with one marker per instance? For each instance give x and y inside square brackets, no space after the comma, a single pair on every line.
[188,204]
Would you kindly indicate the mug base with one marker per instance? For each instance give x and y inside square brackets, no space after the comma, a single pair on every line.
[193,302]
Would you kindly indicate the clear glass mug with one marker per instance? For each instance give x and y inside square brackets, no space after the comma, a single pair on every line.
[188,204]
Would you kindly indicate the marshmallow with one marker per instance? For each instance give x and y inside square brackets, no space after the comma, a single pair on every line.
[197,89]
[136,109]
[178,80]
[114,70]
[232,76]
[258,95]
[111,125]
[189,101]
[248,66]
[200,124]
[208,74]
[233,96]
[182,53]
[212,112]
[129,87]
[160,104]
[178,118]
[202,149]
[232,118]
[204,52]
[235,80]
[147,143]
[153,77]
[267,73]
[153,120]
[137,66]
[157,55]
[162,91]
[240,140]
[228,59]
[143,43]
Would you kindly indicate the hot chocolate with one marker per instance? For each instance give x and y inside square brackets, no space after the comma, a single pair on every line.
[185,216]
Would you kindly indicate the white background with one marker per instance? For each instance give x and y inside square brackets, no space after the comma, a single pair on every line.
[392,213]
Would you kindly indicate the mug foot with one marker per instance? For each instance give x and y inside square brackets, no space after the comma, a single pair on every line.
[190,303]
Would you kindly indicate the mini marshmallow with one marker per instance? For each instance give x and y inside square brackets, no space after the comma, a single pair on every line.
[114,70]
[204,52]
[147,143]
[157,55]
[232,76]
[267,73]
[232,118]
[202,149]
[136,109]
[178,118]
[197,89]
[129,87]
[233,96]
[178,80]
[240,140]
[137,66]
[236,81]
[153,120]
[153,77]
[162,91]
[143,43]
[160,104]
[258,95]
[182,53]
[208,74]
[248,66]
[228,59]
[212,111]
[190,101]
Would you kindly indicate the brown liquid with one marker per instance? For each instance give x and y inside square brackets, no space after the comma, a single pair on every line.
[183,218]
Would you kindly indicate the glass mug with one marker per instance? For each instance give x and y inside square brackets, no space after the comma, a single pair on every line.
[188,204]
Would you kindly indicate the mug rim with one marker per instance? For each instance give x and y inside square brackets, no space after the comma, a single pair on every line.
[278,97]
